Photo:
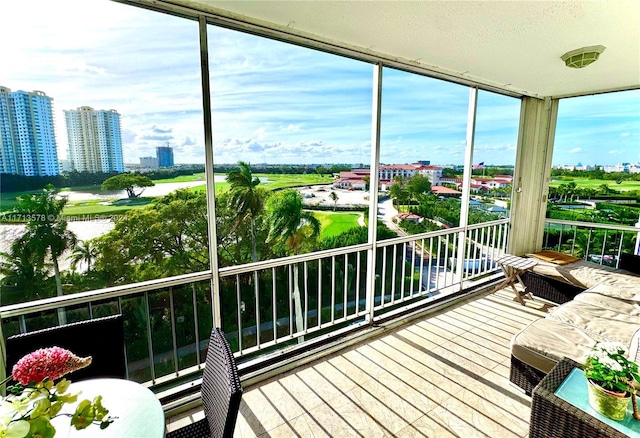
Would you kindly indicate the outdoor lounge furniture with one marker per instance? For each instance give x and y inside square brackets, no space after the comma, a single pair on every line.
[221,393]
[513,268]
[101,338]
[559,283]
[608,310]
[551,416]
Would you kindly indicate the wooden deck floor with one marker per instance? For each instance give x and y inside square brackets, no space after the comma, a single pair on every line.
[444,375]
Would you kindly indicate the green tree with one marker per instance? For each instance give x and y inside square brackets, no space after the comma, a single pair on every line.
[168,237]
[367,182]
[84,252]
[449,172]
[23,277]
[46,235]
[398,191]
[355,236]
[247,198]
[580,244]
[234,238]
[130,182]
[604,189]
[297,229]
[571,190]
[418,184]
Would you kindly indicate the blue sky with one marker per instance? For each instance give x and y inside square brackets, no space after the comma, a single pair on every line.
[601,129]
[273,102]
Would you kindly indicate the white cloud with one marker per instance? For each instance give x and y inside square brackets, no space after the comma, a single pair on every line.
[271,101]
[291,128]
[260,133]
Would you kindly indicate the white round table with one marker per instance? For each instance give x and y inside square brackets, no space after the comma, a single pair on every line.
[139,411]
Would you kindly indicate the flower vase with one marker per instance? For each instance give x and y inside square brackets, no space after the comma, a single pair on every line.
[608,403]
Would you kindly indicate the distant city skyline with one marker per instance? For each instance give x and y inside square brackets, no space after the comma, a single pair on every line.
[272,101]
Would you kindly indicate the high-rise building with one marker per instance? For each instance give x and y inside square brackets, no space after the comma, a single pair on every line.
[95,140]
[27,136]
[149,162]
[165,156]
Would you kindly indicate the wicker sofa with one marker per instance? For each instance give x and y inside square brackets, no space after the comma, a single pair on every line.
[600,304]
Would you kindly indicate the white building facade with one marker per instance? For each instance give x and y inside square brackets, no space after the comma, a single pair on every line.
[389,172]
[27,137]
[148,162]
[95,140]
[433,173]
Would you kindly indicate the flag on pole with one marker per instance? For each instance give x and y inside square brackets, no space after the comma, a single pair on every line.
[479,165]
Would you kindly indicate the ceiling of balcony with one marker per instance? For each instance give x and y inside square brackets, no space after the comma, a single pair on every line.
[513,45]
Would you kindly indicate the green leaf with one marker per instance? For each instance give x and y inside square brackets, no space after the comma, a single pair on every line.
[41,408]
[63,386]
[17,429]
[84,415]
[41,427]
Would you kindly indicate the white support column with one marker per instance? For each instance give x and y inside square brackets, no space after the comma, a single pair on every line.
[532,174]
[209,165]
[374,180]
[466,179]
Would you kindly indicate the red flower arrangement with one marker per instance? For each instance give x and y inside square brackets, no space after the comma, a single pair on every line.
[53,362]
[30,404]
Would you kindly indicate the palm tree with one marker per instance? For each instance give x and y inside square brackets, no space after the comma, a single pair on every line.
[571,190]
[604,189]
[334,198]
[291,225]
[85,252]
[247,198]
[22,274]
[580,244]
[562,192]
[398,191]
[46,234]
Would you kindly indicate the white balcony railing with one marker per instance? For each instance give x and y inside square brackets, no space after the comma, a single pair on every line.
[275,304]
[599,243]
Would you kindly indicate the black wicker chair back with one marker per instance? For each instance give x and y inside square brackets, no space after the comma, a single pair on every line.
[221,389]
[630,262]
[101,338]
[221,393]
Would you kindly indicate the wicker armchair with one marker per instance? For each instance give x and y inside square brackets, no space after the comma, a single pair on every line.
[101,338]
[551,416]
[221,393]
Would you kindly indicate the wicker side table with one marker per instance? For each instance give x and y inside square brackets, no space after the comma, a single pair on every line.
[551,416]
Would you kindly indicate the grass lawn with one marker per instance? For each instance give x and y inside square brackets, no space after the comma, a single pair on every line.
[276,181]
[182,178]
[595,183]
[279,181]
[94,207]
[336,223]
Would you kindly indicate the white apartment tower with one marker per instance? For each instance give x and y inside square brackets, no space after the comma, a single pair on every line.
[95,140]
[27,137]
